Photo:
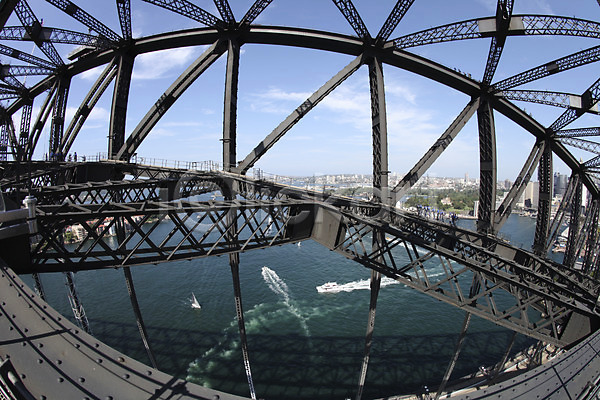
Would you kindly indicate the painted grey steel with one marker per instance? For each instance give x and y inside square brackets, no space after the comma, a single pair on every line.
[55,358]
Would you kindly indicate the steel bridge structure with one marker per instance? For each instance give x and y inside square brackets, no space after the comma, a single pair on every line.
[557,304]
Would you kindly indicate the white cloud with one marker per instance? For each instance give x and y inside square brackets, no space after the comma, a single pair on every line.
[96,114]
[160,64]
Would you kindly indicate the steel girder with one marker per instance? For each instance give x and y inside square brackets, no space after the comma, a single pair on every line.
[553,230]
[225,11]
[379,132]
[393,19]
[101,84]
[59,110]
[588,99]
[298,113]
[34,31]
[544,199]
[187,9]
[169,97]
[436,149]
[19,55]
[254,11]
[556,99]
[487,167]
[464,258]
[48,36]
[503,19]
[230,106]
[351,14]
[486,27]
[571,252]
[535,284]
[116,136]
[129,191]
[196,229]
[559,65]
[573,133]
[86,19]
[124,7]
[518,187]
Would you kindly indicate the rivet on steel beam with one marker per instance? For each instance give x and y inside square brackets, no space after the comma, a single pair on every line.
[121,359]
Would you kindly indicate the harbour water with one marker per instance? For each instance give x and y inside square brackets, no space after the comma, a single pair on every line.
[303,344]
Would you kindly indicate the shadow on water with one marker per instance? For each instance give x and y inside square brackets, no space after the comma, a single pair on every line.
[300,367]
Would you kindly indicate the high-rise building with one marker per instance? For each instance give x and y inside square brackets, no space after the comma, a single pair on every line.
[560,184]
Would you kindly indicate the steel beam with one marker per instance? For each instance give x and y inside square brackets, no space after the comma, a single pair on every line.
[519,185]
[85,18]
[254,11]
[298,114]
[59,110]
[437,149]
[545,178]
[189,10]
[88,103]
[118,115]
[165,102]
[581,132]
[487,167]
[393,20]
[124,7]
[225,11]
[351,14]
[588,99]
[40,122]
[34,29]
[487,27]
[571,251]
[381,191]
[503,20]
[574,60]
[230,106]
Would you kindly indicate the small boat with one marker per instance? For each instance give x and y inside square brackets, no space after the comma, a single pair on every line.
[328,287]
[195,303]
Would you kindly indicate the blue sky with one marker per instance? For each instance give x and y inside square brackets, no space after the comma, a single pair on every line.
[335,137]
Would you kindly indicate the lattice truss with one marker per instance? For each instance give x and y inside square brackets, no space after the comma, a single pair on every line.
[198,229]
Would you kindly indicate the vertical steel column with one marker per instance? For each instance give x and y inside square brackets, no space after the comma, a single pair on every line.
[459,344]
[116,135]
[375,285]
[487,167]
[544,200]
[76,305]
[58,118]
[24,133]
[138,315]
[381,193]
[571,249]
[230,106]
[231,236]
[234,263]
[592,238]
[120,230]
[4,142]
[379,124]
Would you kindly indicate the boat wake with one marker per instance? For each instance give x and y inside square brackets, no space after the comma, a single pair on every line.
[334,287]
[279,287]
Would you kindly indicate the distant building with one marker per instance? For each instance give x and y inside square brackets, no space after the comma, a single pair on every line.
[560,184]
